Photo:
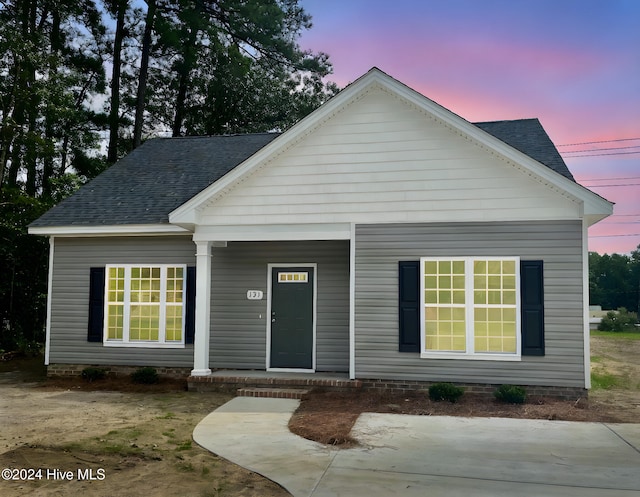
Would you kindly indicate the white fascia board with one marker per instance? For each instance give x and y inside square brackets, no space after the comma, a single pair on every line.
[593,203]
[274,232]
[111,230]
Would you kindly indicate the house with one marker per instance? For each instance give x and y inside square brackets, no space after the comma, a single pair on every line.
[382,237]
[595,316]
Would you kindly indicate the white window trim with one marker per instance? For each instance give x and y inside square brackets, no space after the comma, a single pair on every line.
[470,354]
[127,308]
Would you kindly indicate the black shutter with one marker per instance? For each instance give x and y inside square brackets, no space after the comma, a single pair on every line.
[532,307]
[96,304]
[409,309]
[190,320]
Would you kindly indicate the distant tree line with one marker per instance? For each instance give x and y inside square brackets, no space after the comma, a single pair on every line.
[83,82]
[614,280]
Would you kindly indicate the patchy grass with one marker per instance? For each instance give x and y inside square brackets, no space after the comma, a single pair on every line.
[615,373]
[605,381]
[140,435]
[186,445]
[617,335]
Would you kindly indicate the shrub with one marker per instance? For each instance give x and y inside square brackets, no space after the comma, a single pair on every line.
[93,374]
[148,376]
[620,320]
[28,348]
[445,391]
[511,394]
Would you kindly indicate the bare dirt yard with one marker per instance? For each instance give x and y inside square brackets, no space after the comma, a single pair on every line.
[115,438]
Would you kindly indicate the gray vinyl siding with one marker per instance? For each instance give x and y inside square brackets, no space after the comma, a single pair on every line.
[73,257]
[380,247]
[239,326]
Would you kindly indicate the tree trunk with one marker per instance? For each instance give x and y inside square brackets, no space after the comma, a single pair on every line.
[180,103]
[48,170]
[184,70]
[144,70]
[114,114]
[31,155]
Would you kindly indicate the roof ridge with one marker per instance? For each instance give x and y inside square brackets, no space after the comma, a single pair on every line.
[509,120]
[230,135]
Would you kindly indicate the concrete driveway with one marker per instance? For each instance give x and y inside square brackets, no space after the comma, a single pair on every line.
[429,456]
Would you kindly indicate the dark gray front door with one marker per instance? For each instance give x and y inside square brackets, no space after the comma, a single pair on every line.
[292,317]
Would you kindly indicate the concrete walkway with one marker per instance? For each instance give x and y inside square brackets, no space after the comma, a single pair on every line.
[434,456]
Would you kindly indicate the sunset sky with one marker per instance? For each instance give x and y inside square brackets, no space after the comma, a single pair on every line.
[574,64]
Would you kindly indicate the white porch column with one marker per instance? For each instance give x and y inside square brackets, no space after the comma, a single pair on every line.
[203,310]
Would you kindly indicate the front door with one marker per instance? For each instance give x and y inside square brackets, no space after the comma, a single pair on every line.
[292,317]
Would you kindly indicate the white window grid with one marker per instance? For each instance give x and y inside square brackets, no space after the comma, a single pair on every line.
[163,304]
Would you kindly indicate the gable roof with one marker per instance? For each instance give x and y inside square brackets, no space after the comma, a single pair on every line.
[167,176]
[593,207]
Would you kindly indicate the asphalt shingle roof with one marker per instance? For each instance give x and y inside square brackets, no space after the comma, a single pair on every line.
[164,173]
[153,180]
[529,137]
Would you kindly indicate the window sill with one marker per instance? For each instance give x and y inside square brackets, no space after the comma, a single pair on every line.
[144,345]
[471,357]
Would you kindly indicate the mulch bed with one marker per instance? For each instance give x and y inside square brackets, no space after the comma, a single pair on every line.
[327,417]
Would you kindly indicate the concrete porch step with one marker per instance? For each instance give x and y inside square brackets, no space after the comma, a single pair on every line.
[273,393]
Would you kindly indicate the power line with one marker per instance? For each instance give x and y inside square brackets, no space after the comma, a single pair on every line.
[612,236]
[598,149]
[601,141]
[610,186]
[612,179]
[619,222]
[597,155]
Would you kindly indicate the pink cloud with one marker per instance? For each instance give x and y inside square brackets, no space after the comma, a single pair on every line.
[575,71]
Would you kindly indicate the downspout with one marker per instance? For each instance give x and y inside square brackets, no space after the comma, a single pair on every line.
[47,342]
[352,303]
[585,304]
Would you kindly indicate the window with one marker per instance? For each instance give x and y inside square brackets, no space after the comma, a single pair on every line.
[144,305]
[298,277]
[470,307]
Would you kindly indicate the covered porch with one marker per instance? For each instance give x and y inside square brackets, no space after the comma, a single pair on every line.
[240,304]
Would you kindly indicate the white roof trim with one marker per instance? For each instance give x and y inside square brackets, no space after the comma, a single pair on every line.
[110,230]
[273,232]
[594,205]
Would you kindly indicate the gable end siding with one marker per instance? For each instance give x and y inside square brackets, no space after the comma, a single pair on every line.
[381,247]
[415,169]
[73,260]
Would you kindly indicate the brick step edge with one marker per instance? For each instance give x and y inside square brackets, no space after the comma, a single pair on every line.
[273,393]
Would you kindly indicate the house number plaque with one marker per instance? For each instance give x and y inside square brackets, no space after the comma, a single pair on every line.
[254,294]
